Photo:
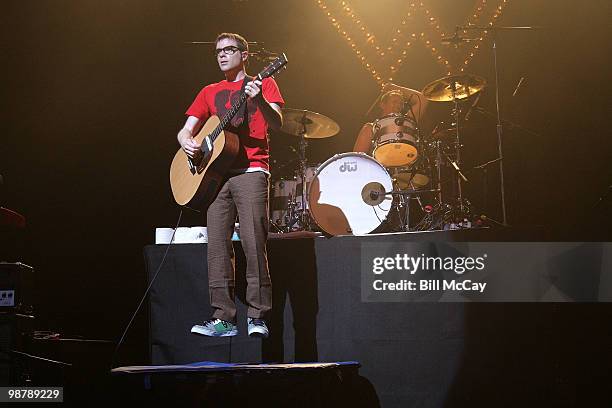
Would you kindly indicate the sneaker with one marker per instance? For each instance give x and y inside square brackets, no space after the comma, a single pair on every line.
[215,328]
[257,327]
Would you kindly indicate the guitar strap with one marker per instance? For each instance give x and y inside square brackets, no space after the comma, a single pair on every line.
[241,117]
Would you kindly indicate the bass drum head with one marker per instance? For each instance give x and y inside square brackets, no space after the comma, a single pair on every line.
[340,189]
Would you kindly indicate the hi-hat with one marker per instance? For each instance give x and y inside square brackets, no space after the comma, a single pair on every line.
[312,125]
[454,87]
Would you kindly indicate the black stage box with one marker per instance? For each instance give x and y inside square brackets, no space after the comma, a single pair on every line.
[413,354]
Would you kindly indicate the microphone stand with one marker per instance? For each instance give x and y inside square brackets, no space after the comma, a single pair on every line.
[495,29]
[485,183]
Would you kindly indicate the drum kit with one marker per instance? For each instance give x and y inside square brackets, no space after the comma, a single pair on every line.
[355,193]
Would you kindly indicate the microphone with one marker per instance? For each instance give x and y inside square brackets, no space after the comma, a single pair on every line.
[520,82]
[373,193]
[469,112]
[455,39]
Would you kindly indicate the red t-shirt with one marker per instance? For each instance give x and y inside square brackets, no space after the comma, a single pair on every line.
[217,99]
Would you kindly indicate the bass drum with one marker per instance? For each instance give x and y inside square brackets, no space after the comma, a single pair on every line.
[346,196]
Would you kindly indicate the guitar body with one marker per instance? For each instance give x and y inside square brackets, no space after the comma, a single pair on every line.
[198,188]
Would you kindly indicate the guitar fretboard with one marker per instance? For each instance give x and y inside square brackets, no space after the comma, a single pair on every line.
[228,116]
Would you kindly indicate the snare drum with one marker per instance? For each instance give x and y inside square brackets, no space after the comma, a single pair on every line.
[340,189]
[395,140]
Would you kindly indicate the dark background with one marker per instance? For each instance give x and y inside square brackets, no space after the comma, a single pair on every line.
[94,93]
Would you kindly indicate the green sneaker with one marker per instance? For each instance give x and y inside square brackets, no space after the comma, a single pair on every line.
[215,328]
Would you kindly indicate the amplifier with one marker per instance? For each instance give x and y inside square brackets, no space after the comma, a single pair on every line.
[16,287]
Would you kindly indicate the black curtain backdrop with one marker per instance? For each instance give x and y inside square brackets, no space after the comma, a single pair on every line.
[94,93]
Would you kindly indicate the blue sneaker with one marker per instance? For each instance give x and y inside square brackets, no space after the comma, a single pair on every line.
[257,328]
[216,328]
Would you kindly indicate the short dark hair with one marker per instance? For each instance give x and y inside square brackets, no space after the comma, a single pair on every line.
[242,43]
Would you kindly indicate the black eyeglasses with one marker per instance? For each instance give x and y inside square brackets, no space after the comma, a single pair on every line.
[229,50]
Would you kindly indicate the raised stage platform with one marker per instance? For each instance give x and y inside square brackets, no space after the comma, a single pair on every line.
[210,383]
[412,354]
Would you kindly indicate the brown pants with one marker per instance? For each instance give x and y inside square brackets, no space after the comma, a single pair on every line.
[245,195]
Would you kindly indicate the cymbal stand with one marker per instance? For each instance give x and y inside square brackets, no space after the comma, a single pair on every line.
[405,198]
[494,30]
[302,165]
[439,169]
[457,143]
[463,208]
[485,184]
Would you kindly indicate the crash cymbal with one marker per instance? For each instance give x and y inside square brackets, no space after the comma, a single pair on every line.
[312,124]
[466,85]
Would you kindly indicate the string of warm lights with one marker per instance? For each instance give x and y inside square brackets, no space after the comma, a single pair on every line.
[350,40]
[432,30]
[394,55]
[494,17]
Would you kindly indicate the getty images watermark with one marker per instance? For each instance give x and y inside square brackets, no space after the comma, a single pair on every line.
[413,264]
[486,271]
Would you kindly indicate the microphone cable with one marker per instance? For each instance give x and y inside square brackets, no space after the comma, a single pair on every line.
[146,292]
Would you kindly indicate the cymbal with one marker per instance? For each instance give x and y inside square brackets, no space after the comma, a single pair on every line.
[465,85]
[312,124]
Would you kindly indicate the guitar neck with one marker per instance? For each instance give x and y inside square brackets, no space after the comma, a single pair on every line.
[228,116]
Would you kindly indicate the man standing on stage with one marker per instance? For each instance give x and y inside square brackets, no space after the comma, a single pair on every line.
[244,192]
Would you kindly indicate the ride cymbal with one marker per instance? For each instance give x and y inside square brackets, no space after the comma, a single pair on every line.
[312,125]
[454,87]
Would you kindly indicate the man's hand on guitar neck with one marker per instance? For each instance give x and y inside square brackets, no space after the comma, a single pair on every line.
[253,89]
[271,111]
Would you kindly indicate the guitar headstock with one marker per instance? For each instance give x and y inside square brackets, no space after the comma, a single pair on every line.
[271,69]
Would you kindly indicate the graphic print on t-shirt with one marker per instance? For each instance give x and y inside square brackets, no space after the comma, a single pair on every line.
[224,100]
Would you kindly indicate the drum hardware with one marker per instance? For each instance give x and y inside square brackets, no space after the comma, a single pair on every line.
[306,125]
[494,30]
[508,123]
[373,194]
[282,205]
[403,202]
[485,189]
[453,89]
